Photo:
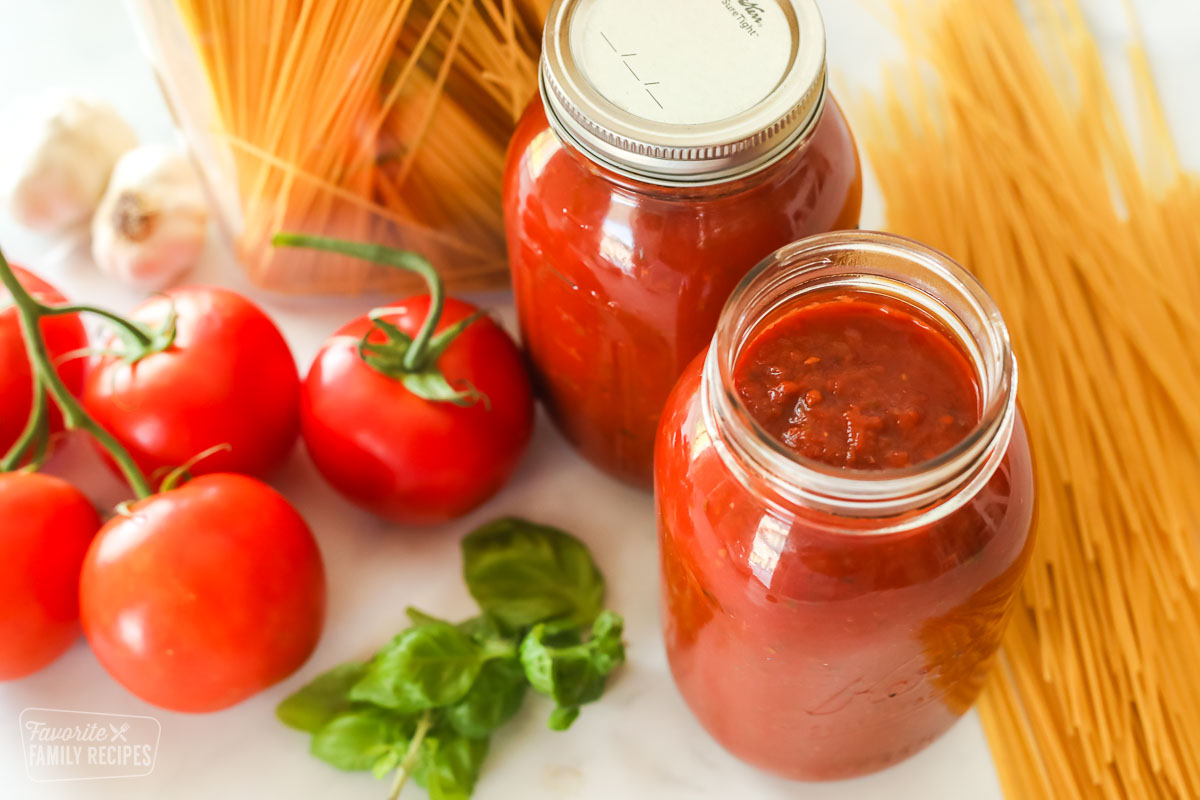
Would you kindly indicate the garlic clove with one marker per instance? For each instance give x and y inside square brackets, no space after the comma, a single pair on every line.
[152,222]
[59,153]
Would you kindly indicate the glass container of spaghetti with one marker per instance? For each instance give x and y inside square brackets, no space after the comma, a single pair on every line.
[674,145]
[845,495]
[381,120]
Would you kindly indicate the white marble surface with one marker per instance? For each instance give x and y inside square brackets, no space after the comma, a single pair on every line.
[640,741]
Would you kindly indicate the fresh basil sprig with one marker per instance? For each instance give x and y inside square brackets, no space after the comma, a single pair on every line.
[426,705]
[570,671]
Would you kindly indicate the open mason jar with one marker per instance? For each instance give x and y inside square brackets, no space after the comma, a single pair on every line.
[825,621]
[675,144]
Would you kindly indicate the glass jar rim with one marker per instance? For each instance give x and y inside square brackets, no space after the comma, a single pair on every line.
[813,264]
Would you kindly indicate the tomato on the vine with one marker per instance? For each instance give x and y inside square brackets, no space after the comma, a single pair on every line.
[418,411]
[196,597]
[405,457]
[63,334]
[45,528]
[199,597]
[224,375]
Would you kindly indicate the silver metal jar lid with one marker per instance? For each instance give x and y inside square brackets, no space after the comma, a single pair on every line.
[684,92]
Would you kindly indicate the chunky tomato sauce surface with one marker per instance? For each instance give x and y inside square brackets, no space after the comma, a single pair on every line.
[859,382]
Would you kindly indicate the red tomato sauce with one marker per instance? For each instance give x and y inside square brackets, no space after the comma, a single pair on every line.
[820,646]
[859,382]
[619,284]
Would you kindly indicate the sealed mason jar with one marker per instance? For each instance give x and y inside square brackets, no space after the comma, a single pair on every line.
[673,146]
[845,495]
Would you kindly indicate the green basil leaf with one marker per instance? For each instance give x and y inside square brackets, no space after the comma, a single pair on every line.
[418,618]
[523,574]
[357,740]
[566,674]
[388,762]
[425,667]
[481,628]
[492,701]
[561,718]
[449,765]
[313,706]
[606,645]
[569,671]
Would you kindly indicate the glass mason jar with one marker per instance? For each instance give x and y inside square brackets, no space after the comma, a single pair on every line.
[823,622]
[674,145]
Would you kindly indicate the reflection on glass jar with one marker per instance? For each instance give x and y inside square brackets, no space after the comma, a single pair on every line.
[629,224]
[824,621]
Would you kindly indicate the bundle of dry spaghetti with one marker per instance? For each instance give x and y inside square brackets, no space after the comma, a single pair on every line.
[385,120]
[1003,145]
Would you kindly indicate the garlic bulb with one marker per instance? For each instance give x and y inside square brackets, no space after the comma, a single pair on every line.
[58,158]
[151,225]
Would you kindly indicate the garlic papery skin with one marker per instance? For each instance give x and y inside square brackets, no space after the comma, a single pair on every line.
[152,223]
[58,155]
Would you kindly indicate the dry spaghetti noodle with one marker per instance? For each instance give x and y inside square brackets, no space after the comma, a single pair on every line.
[383,120]
[1014,159]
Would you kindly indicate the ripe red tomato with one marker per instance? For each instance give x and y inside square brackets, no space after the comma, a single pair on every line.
[406,458]
[204,595]
[45,528]
[229,378]
[63,335]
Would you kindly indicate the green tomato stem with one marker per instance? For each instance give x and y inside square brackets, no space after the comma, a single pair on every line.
[415,356]
[30,312]
[410,757]
[36,426]
[132,328]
